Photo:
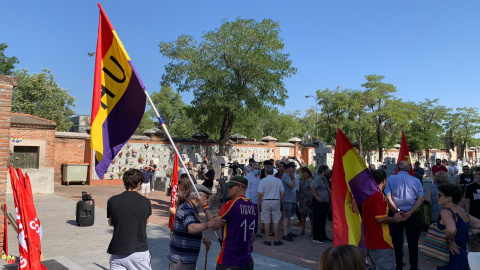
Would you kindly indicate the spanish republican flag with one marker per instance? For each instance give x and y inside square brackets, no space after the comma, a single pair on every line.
[352,184]
[173,198]
[404,154]
[118,97]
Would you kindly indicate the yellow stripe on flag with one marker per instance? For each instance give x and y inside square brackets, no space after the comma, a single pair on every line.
[351,160]
[354,220]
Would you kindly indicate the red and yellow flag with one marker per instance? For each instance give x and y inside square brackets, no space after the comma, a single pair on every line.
[173,199]
[118,97]
[404,154]
[352,184]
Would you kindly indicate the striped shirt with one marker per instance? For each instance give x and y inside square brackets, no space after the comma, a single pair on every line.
[184,245]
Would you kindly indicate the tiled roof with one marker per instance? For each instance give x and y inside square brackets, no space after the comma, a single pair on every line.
[20,119]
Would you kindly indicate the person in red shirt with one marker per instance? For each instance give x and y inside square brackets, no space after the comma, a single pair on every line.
[380,254]
[439,167]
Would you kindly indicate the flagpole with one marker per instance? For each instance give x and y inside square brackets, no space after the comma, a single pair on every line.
[176,151]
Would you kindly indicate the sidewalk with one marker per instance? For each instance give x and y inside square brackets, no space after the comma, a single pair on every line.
[85,247]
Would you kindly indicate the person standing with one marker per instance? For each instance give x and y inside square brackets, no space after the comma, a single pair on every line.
[253,179]
[270,196]
[320,203]
[145,188]
[453,173]
[241,223]
[404,193]
[289,201]
[438,167]
[248,169]
[472,204]
[380,254]
[418,171]
[187,230]
[306,197]
[466,178]
[208,177]
[153,169]
[129,214]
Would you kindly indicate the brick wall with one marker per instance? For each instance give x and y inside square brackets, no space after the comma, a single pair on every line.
[32,133]
[67,150]
[6,86]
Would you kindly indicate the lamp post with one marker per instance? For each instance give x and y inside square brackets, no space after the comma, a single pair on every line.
[316,114]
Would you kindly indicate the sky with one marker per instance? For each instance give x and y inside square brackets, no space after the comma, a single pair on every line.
[427,49]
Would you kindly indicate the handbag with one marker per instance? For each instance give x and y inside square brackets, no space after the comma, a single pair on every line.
[435,247]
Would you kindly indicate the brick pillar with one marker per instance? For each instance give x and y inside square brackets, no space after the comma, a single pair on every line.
[6,86]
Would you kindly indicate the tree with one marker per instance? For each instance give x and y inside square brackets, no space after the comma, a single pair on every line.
[145,124]
[464,124]
[334,105]
[39,95]
[237,68]
[426,130]
[389,114]
[282,126]
[173,112]
[7,64]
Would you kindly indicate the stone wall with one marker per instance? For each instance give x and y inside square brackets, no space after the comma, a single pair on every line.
[7,83]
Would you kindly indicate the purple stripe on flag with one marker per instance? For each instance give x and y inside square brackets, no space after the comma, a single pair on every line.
[121,123]
[363,186]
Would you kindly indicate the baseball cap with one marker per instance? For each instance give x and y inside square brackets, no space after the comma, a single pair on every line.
[237,180]
[204,189]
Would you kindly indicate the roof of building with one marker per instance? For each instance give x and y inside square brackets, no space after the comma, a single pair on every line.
[21,119]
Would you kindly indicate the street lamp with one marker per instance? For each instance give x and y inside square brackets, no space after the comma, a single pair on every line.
[316,114]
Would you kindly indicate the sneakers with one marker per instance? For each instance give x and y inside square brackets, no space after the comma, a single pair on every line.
[318,241]
[292,235]
[287,238]
[268,243]
[279,243]
[326,239]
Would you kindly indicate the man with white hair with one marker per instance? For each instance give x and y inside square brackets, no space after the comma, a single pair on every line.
[187,230]
[404,194]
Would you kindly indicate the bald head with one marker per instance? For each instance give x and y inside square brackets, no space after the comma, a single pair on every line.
[403,166]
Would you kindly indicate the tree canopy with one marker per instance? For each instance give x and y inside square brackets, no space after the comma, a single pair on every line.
[40,95]
[7,64]
[236,68]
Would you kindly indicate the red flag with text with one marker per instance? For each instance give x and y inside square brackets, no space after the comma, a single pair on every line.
[173,199]
[404,154]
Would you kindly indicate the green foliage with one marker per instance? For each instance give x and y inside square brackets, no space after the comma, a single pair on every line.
[7,64]
[39,95]
[145,124]
[236,70]
[464,123]
[173,112]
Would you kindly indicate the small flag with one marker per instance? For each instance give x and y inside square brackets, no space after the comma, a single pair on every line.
[118,97]
[173,199]
[404,154]
[352,184]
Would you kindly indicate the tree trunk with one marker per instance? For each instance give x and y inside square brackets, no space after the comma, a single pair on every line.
[227,125]
[360,146]
[379,142]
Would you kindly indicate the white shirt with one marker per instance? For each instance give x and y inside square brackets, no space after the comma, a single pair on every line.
[252,189]
[271,187]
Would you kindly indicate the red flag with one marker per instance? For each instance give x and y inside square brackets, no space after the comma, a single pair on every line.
[174,190]
[404,154]
[18,199]
[5,236]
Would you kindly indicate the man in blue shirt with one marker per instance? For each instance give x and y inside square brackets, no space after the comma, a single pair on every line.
[405,194]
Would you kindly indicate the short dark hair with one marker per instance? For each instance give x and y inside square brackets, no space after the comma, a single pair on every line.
[451,190]
[131,178]
[379,176]
[283,163]
[267,162]
[322,168]
[251,160]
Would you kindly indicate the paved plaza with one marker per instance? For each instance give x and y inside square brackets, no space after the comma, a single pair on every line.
[85,247]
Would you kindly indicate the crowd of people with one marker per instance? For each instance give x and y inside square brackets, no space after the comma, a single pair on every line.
[266,199]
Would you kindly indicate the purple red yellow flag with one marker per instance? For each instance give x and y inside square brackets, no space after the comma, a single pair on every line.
[118,97]
[404,154]
[352,184]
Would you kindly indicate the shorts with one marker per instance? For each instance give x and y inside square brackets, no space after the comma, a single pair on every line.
[288,209]
[381,259]
[145,188]
[136,260]
[271,208]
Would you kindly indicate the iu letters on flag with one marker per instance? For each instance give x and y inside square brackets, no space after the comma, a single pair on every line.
[118,97]
[352,184]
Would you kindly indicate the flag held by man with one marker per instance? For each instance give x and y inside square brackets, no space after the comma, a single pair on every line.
[352,184]
[118,97]
[173,198]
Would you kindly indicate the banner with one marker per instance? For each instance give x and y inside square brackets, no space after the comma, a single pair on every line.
[404,154]
[352,184]
[118,97]
[173,199]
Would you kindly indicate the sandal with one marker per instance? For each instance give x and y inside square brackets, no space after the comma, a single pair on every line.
[267,243]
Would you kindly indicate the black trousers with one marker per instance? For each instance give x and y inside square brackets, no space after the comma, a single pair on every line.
[320,210]
[412,227]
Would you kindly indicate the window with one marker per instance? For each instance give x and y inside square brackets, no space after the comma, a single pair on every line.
[25,157]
